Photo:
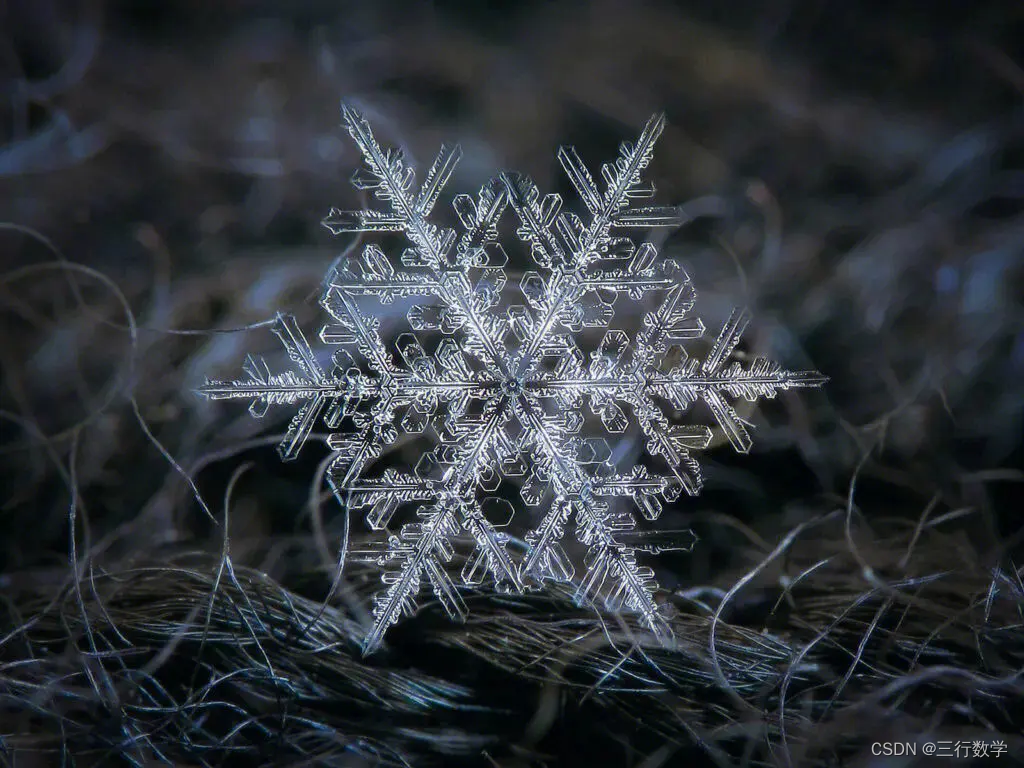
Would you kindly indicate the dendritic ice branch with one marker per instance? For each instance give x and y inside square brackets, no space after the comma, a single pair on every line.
[508,395]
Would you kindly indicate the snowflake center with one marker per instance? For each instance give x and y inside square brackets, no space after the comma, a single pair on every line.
[512,387]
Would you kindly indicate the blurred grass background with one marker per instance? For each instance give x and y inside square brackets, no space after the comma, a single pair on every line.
[871,156]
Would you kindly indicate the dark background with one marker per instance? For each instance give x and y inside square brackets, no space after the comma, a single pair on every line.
[872,155]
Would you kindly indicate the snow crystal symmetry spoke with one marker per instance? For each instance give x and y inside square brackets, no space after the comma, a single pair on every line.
[507,395]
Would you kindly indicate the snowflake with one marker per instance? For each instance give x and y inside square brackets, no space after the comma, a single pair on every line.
[506,393]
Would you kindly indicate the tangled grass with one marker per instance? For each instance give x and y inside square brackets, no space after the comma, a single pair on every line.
[192,659]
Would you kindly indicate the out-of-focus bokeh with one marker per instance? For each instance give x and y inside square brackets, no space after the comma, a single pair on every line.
[163,171]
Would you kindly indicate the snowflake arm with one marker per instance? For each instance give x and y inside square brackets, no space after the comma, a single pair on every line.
[587,243]
[418,548]
[309,385]
[624,183]
[711,378]
[634,585]
[390,178]
[421,547]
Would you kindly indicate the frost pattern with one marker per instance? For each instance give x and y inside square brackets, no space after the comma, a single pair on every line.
[507,392]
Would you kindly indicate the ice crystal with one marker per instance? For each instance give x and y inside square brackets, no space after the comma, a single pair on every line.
[506,394]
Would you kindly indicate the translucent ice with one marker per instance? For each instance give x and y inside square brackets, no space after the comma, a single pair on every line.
[508,392]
